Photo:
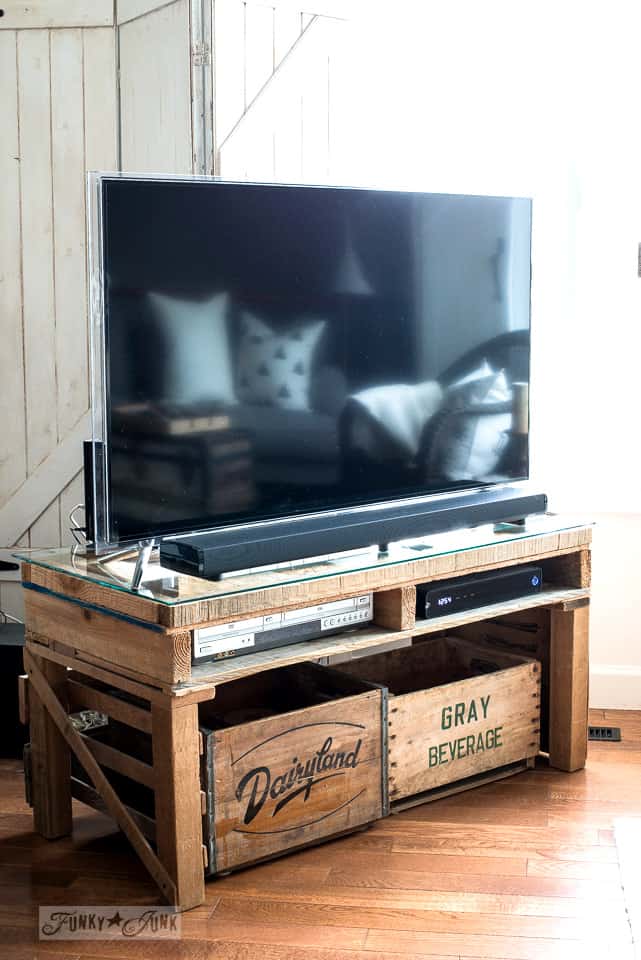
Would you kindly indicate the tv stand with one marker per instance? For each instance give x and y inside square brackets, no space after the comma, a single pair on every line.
[97,645]
[511,526]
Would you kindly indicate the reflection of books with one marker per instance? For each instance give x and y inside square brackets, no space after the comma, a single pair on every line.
[170,420]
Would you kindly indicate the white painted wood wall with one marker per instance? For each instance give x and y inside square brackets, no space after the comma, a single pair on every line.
[245,90]
[57,118]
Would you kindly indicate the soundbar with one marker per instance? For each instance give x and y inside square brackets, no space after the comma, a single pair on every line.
[465,593]
[209,554]
[280,629]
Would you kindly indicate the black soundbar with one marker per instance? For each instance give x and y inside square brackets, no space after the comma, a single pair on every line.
[211,553]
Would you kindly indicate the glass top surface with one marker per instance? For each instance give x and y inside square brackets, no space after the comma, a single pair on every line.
[168,587]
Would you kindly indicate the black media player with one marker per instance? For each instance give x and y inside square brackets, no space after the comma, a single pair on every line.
[479,590]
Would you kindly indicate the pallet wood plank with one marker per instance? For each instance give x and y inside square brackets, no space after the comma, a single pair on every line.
[128,766]
[23,699]
[205,603]
[395,609]
[50,759]
[233,669]
[151,653]
[177,800]
[569,679]
[82,696]
[89,795]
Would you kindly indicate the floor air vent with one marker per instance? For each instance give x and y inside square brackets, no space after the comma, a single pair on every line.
[613,734]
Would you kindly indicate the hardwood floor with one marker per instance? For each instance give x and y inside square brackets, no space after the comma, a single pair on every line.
[523,869]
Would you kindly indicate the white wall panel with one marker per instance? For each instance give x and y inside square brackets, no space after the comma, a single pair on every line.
[155,91]
[34,96]
[56,13]
[68,195]
[13,454]
[57,117]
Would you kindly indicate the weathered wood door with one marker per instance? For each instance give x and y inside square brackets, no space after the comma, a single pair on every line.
[57,118]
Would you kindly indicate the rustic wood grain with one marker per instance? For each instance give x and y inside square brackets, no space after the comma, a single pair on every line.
[339,800]
[153,654]
[395,609]
[569,678]
[233,669]
[81,696]
[202,603]
[57,715]
[422,701]
[50,759]
[177,800]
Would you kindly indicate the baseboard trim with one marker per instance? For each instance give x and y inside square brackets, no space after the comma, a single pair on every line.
[615,687]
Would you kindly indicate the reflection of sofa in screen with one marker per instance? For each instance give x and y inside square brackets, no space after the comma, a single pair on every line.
[457,429]
[278,385]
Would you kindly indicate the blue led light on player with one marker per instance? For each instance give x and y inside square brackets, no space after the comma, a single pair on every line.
[535,581]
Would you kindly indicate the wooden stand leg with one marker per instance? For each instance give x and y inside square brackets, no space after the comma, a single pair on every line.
[569,678]
[50,760]
[174,733]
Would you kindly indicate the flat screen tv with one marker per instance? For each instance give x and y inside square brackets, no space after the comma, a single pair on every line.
[272,361]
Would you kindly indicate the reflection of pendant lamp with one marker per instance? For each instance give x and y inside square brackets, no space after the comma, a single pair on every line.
[349,277]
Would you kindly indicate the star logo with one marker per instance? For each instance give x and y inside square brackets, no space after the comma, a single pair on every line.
[114,921]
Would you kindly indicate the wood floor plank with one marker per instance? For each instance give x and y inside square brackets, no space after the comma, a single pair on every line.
[410,916]
[425,862]
[336,896]
[589,890]
[573,870]
[421,944]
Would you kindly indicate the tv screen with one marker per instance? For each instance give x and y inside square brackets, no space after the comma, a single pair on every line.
[272,350]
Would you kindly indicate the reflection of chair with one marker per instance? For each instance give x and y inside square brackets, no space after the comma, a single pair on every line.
[456,425]
[507,352]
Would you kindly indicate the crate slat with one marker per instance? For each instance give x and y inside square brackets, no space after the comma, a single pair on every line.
[83,696]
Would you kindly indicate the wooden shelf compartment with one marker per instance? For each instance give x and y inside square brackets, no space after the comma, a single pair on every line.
[213,674]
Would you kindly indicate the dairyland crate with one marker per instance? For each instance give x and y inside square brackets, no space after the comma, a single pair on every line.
[460,713]
[291,757]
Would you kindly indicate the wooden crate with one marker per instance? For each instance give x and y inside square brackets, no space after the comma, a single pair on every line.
[288,758]
[291,757]
[457,710]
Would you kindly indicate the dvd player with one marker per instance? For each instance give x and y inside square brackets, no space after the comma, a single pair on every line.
[481,589]
[279,629]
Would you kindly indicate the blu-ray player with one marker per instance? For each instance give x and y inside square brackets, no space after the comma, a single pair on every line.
[478,590]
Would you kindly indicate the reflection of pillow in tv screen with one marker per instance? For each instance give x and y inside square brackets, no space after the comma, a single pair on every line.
[275,369]
[468,442]
[197,364]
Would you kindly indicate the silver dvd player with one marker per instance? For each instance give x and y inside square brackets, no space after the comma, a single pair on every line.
[279,629]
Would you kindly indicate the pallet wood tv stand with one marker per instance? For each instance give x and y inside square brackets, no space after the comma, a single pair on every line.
[89,637]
